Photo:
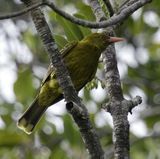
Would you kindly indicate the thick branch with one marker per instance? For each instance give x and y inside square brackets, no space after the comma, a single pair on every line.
[119,115]
[114,20]
[88,133]
[113,83]
[118,106]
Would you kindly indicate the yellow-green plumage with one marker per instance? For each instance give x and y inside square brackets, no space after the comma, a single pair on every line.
[81,59]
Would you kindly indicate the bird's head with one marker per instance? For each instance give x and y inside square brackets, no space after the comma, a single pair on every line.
[102,40]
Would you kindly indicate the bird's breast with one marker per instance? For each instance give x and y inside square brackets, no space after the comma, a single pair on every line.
[82,64]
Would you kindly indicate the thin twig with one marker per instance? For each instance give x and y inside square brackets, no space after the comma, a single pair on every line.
[126,4]
[21,12]
[109,7]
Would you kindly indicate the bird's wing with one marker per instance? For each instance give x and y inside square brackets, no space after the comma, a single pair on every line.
[66,49]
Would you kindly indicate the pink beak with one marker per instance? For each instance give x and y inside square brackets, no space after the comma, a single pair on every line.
[115,39]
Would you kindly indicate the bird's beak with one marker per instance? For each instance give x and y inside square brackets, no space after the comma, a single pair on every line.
[115,39]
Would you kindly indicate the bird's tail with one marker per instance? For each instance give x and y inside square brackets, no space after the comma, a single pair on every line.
[31,117]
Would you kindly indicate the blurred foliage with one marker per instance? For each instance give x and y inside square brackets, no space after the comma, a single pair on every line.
[50,140]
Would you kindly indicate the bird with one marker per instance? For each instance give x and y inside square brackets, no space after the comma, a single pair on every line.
[81,59]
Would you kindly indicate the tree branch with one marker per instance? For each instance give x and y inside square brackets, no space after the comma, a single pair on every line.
[109,6]
[74,105]
[109,152]
[24,11]
[114,20]
[118,106]
[118,111]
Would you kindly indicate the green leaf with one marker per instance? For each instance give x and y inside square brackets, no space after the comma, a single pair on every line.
[60,40]
[23,87]
[152,120]
[10,139]
[59,153]
[92,84]
[70,132]
[86,11]
[85,31]
[35,45]
[71,30]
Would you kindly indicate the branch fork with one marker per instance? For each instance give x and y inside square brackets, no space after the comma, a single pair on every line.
[126,105]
